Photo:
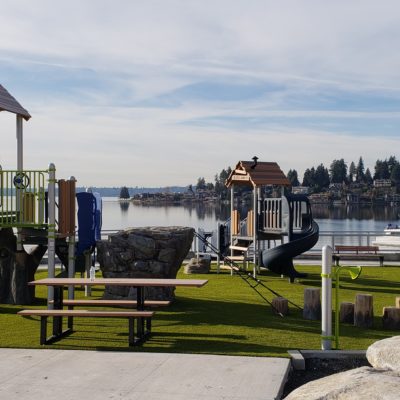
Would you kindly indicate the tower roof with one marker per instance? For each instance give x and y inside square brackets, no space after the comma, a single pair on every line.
[257,174]
[9,103]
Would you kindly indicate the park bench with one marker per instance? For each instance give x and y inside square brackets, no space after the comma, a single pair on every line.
[357,253]
[130,315]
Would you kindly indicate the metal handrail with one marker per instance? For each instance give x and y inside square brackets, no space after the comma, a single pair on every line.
[22,198]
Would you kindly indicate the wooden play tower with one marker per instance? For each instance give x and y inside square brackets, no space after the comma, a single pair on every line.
[275,216]
[265,220]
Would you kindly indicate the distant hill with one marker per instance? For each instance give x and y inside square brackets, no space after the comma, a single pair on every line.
[114,191]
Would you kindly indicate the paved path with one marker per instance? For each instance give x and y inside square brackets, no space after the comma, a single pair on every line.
[72,374]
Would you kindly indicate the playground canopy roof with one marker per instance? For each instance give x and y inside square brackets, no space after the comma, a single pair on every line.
[257,174]
[9,103]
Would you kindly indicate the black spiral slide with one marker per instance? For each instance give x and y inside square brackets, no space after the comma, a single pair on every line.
[280,259]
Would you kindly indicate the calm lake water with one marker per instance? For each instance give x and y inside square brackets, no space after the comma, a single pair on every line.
[118,215]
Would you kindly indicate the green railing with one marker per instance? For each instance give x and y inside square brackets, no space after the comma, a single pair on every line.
[22,198]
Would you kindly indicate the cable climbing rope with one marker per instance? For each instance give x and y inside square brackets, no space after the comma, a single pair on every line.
[246,276]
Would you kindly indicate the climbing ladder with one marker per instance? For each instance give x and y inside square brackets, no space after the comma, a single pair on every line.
[242,249]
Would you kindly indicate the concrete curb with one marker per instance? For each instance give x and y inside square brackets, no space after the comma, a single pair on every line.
[298,357]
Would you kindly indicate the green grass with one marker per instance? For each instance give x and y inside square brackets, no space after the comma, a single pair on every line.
[223,317]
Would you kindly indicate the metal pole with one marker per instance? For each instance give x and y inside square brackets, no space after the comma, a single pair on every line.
[20,143]
[20,167]
[326,275]
[71,265]
[219,239]
[232,209]
[255,269]
[88,289]
[51,232]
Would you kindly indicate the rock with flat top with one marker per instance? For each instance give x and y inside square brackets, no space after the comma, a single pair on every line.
[363,383]
[385,354]
[198,266]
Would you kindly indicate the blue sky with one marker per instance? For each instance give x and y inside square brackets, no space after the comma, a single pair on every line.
[158,93]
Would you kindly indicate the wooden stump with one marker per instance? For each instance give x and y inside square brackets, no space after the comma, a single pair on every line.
[312,303]
[346,313]
[391,318]
[363,311]
[280,305]
[398,302]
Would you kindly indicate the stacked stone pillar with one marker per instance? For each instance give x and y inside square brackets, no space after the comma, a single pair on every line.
[150,252]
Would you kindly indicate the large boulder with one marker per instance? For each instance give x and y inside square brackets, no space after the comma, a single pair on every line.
[198,266]
[150,252]
[382,382]
[385,354]
[363,383]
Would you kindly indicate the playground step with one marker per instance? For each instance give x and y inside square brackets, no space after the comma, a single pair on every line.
[239,248]
[238,258]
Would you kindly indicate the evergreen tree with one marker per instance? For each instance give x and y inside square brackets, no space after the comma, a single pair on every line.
[219,187]
[309,177]
[338,171]
[381,170]
[124,193]
[201,183]
[392,162]
[360,171]
[321,178]
[293,178]
[352,172]
[395,175]
[368,177]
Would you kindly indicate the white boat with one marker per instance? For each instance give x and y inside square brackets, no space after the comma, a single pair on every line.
[392,230]
[390,240]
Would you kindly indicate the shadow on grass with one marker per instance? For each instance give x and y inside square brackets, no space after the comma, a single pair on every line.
[10,310]
[186,311]
[180,343]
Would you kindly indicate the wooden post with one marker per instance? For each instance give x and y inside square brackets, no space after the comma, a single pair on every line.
[280,305]
[391,318]
[346,314]
[398,302]
[312,303]
[363,311]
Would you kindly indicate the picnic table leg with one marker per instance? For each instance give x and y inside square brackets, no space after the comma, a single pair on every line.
[43,329]
[58,332]
[131,323]
[140,307]
[58,304]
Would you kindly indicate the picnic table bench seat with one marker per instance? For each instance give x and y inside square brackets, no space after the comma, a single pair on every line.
[113,302]
[130,315]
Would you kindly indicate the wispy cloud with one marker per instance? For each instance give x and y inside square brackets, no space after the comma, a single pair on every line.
[161,92]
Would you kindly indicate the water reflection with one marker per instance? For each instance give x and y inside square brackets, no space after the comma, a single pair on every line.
[377,213]
[200,211]
[124,205]
[120,215]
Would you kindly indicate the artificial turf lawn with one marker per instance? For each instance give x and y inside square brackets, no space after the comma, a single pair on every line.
[224,317]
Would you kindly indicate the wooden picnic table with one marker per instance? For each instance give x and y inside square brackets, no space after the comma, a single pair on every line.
[138,283]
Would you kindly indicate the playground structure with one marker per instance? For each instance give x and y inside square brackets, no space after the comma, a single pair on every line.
[275,216]
[28,209]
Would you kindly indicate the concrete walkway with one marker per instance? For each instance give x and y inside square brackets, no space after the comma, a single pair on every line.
[72,374]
